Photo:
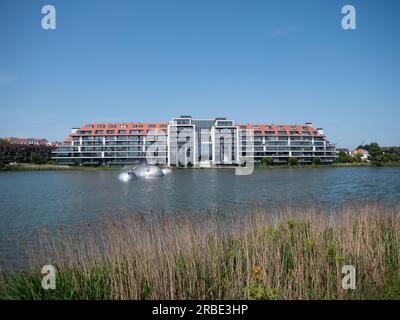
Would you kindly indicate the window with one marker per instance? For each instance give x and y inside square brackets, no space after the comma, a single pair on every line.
[122,131]
[243,127]
[163,125]
[89,126]
[100,126]
[256,127]
[99,131]
[110,131]
[123,126]
[182,121]
[224,123]
[152,125]
[112,126]
[136,132]
[281,128]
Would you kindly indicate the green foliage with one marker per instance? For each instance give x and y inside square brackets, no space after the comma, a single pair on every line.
[37,159]
[344,158]
[257,290]
[3,141]
[18,158]
[357,158]
[293,161]
[289,258]
[71,284]
[388,157]
[317,160]
[267,161]
[373,149]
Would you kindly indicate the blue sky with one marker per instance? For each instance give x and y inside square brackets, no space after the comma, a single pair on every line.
[253,61]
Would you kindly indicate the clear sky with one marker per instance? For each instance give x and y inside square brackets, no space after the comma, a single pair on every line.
[260,61]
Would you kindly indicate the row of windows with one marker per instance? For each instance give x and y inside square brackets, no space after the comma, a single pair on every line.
[279,127]
[124,126]
[84,132]
[125,138]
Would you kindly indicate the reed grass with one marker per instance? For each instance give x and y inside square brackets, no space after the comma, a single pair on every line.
[280,252]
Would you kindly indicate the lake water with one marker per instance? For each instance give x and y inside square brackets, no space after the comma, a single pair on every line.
[32,199]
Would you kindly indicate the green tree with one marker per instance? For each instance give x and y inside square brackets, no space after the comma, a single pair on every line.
[317,160]
[293,161]
[344,158]
[18,158]
[388,157]
[37,159]
[357,158]
[373,149]
[267,161]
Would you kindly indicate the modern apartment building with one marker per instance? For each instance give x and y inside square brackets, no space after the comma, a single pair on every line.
[28,141]
[193,142]
[12,152]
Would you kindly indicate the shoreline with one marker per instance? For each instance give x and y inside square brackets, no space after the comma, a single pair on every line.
[283,252]
[55,167]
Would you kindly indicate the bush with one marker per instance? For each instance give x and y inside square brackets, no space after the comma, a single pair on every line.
[18,158]
[267,161]
[317,160]
[293,161]
[38,159]
[388,158]
[344,158]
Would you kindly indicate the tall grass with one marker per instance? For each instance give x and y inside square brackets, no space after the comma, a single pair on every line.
[284,252]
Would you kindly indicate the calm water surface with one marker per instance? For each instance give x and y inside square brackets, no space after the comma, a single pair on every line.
[33,199]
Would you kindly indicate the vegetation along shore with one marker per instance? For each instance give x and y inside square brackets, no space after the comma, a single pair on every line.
[281,252]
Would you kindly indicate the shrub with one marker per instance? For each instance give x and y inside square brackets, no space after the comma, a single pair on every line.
[344,158]
[293,161]
[317,160]
[267,161]
[37,159]
[18,158]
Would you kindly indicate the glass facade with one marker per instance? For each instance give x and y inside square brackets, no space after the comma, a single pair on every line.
[193,142]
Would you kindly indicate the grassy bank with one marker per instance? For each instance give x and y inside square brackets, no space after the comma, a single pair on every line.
[51,167]
[55,167]
[335,165]
[277,253]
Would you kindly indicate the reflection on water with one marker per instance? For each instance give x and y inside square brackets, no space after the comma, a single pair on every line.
[129,173]
[32,199]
